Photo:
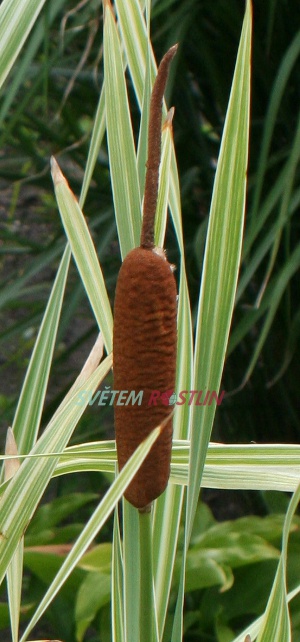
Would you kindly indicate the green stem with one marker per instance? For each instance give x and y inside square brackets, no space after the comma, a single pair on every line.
[148,620]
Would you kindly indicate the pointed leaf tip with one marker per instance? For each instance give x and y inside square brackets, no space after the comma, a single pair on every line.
[107,4]
[94,357]
[57,175]
[11,465]
[169,118]
[10,444]
[249,9]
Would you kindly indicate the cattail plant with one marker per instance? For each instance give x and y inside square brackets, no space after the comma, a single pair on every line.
[144,337]
[144,570]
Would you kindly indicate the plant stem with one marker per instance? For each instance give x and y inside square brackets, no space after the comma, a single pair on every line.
[154,150]
[148,620]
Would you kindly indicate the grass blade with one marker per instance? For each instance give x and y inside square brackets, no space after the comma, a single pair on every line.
[164,182]
[122,158]
[117,602]
[219,279]
[95,144]
[276,625]
[148,616]
[17,18]
[15,569]
[286,67]
[291,167]
[84,253]
[272,298]
[135,38]
[221,260]
[131,577]
[28,414]
[25,490]
[94,524]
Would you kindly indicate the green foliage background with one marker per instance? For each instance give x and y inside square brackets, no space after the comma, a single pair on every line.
[47,108]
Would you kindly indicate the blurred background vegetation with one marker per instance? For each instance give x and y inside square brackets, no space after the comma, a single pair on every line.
[47,107]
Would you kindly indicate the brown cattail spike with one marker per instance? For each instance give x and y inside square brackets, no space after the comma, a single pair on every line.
[145,334]
[144,345]
[154,150]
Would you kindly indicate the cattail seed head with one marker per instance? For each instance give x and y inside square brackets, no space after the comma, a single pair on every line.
[145,360]
[145,336]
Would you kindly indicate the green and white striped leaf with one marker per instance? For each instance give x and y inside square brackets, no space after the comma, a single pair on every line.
[30,405]
[164,182]
[249,467]
[276,626]
[84,253]
[17,18]
[122,157]
[117,585]
[27,486]
[222,259]
[94,525]
[15,570]
[219,278]
[95,144]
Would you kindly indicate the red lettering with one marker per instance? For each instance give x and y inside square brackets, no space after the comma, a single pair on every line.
[206,398]
[198,400]
[182,398]
[216,398]
[155,395]
[193,393]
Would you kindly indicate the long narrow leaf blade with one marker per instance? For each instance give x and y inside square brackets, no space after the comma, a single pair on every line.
[276,626]
[25,490]
[17,17]
[219,279]
[84,253]
[95,144]
[30,405]
[222,259]
[15,570]
[122,157]
[95,523]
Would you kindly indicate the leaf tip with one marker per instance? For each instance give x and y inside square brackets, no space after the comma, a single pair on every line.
[94,357]
[249,9]
[11,465]
[107,5]
[169,119]
[57,175]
